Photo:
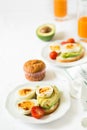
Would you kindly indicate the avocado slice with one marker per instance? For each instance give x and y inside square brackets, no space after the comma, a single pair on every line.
[45,32]
[72,54]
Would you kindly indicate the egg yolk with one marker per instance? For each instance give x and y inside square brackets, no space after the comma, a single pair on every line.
[26,105]
[70,46]
[54,48]
[43,90]
[24,92]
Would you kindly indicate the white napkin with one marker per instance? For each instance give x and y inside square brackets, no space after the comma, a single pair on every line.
[75,78]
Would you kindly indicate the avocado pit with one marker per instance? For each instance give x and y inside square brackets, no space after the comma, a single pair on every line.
[45,29]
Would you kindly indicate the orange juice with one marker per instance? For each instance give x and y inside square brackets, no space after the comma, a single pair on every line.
[82,27]
[60,8]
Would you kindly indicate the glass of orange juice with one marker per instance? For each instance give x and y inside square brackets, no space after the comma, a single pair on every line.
[60,9]
[82,20]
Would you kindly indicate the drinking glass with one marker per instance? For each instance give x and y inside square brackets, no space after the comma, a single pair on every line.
[60,9]
[82,20]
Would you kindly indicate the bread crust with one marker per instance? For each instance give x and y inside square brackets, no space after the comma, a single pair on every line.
[52,109]
[34,66]
[59,59]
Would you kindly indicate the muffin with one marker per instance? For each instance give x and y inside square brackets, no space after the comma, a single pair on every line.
[34,70]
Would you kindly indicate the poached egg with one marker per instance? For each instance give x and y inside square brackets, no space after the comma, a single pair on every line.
[71,47]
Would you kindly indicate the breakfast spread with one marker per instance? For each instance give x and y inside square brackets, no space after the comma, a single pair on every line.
[37,102]
[66,51]
[34,70]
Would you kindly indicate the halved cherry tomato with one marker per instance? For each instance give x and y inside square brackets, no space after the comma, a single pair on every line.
[37,112]
[71,40]
[53,55]
[64,42]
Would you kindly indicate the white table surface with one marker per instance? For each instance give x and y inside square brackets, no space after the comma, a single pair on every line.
[18,43]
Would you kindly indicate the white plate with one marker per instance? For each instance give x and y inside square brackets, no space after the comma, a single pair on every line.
[45,54]
[62,109]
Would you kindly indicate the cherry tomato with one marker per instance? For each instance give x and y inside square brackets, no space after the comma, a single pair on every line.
[64,42]
[37,112]
[53,55]
[71,40]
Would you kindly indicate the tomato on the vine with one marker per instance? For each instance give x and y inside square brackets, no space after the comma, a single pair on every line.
[37,112]
[53,55]
[64,42]
[71,40]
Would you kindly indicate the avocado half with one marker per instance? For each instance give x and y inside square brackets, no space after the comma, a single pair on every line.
[46,32]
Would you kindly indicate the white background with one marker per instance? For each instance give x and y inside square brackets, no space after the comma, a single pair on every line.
[18,43]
